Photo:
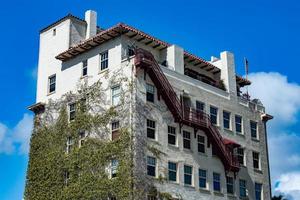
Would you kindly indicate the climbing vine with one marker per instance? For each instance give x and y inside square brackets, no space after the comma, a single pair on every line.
[73,159]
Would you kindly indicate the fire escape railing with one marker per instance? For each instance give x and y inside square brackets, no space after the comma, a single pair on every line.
[185,115]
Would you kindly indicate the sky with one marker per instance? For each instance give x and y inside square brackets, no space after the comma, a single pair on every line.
[266,32]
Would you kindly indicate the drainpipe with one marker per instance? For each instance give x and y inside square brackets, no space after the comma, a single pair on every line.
[265,119]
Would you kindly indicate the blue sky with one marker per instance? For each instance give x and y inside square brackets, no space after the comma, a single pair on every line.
[266,32]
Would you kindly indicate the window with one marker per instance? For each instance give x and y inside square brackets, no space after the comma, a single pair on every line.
[253,126]
[151,166]
[230,185]
[52,84]
[258,191]
[202,178]
[172,135]
[238,124]
[226,119]
[217,182]
[201,143]
[200,106]
[130,51]
[114,167]
[150,129]
[243,192]
[150,93]
[70,143]
[72,111]
[104,60]
[115,95]
[115,130]
[186,140]
[214,115]
[54,32]
[66,177]
[240,156]
[82,137]
[256,163]
[172,171]
[151,197]
[84,68]
[188,174]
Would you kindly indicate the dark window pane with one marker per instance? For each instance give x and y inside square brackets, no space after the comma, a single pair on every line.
[253,126]
[226,119]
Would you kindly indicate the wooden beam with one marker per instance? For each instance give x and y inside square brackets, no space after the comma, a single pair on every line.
[155,46]
[141,39]
[196,64]
[210,69]
[149,42]
[132,36]
[191,61]
[204,66]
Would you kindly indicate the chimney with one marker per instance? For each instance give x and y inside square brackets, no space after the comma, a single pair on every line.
[175,58]
[91,20]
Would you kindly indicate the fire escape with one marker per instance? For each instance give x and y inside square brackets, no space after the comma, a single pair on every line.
[186,115]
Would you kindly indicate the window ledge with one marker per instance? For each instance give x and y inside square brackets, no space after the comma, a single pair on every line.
[172,146]
[228,130]
[204,190]
[187,150]
[241,135]
[173,182]
[254,139]
[84,77]
[50,93]
[103,71]
[189,186]
[231,196]
[202,154]
[217,193]
[258,171]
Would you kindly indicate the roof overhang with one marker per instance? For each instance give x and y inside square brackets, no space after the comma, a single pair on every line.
[36,108]
[242,81]
[230,143]
[266,117]
[140,36]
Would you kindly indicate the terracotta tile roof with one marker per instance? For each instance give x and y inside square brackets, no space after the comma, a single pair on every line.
[132,32]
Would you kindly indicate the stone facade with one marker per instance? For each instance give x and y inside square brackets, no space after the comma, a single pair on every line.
[70,32]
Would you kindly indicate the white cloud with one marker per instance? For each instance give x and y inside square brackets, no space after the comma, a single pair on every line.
[16,140]
[281,99]
[289,184]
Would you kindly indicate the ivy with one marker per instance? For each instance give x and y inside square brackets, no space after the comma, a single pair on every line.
[83,172]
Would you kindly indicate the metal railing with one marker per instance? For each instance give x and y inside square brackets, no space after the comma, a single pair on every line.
[186,115]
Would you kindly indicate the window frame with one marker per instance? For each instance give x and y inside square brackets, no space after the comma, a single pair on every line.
[227,120]
[104,60]
[72,113]
[81,138]
[260,191]
[190,175]
[228,184]
[217,181]
[202,178]
[84,71]
[241,155]
[186,139]
[173,171]
[254,160]
[172,134]
[114,168]
[201,143]
[115,95]
[239,124]
[150,90]
[115,129]
[215,115]
[242,188]
[69,144]
[149,127]
[252,130]
[201,104]
[51,91]
[151,165]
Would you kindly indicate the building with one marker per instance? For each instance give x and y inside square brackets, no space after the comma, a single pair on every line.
[219,155]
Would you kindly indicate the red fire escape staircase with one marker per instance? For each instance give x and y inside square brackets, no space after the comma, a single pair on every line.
[184,115]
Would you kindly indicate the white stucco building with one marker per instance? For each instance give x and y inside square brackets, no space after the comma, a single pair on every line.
[219,155]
